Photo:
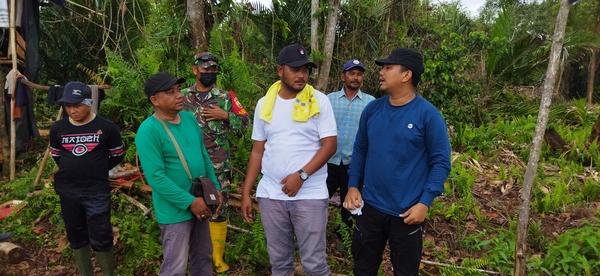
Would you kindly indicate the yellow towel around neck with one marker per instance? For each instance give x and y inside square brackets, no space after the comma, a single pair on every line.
[305,107]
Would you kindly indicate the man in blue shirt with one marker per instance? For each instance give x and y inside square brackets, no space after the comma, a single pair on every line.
[348,104]
[403,153]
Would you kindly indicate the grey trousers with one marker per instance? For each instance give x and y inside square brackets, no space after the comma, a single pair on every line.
[307,220]
[177,238]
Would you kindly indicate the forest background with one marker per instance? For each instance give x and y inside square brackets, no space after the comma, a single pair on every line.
[484,73]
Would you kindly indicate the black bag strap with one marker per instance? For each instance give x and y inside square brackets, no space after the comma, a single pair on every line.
[185,166]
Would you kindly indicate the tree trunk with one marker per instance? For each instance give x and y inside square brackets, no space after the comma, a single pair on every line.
[329,41]
[591,78]
[198,34]
[561,69]
[542,121]
[593,60]
[314,25]
[314,32]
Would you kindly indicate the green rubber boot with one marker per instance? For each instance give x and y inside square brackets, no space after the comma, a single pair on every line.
[83,260]
[106,261]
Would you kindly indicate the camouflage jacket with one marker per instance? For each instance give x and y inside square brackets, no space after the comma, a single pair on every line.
[213,132]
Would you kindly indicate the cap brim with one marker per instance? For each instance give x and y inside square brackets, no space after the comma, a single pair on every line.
[69,100]
[355,66]
[384,61]
[300,63]
[170,83]
[207,64]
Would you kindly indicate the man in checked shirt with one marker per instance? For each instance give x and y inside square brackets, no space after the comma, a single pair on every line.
[348,104]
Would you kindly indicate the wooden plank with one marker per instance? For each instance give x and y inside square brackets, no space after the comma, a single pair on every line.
[21,41]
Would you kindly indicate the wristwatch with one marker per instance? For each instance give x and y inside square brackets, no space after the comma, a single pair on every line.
[303,175]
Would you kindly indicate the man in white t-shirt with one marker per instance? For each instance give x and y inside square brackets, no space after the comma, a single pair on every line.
[294,135]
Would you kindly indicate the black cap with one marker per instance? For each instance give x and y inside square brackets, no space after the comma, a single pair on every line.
[294,56]
[75,92]
[205,59]
[409,58]
[160,82]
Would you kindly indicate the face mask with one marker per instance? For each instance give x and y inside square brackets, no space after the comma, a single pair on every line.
[208,79]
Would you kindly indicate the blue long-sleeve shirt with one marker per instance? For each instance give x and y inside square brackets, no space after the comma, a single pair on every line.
[403,152]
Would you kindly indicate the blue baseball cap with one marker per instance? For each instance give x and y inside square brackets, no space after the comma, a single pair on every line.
[351,64]
[75,92]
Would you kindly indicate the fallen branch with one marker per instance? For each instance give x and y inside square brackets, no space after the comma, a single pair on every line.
[241,230]
[132,200]
[238,171]
[43,216]
[459,267]
[239,197]
[46,88]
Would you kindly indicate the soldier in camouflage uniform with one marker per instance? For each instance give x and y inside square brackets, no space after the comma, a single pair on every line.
[217,112]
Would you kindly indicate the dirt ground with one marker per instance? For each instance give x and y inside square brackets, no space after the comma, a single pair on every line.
[497,200]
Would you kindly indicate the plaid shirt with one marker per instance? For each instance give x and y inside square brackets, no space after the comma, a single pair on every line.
[347,115]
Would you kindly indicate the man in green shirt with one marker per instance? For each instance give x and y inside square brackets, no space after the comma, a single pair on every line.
[183,218]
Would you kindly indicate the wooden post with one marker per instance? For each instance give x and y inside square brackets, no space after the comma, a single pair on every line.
[46,154]
[13,51]
[534,155]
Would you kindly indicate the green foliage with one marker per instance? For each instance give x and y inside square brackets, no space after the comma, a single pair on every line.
[536,238]
[286,23]
[237,74]
[471,72]
[127,104]
[590,190]
[462,181]
[575,252]
[468,266]
[502,252]
[128,138]
[257,249]
[241,147]
[139,235]
[556,200]
[347,235]
[446,82]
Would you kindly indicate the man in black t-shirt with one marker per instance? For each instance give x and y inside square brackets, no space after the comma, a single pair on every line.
[85,147]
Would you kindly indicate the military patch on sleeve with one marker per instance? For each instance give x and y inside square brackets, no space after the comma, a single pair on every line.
[236,106]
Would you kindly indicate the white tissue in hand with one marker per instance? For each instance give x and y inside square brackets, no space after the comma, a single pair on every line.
[356,211]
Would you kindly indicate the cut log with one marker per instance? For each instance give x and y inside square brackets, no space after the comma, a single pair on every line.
[554,140]
[12,252]
[595,133]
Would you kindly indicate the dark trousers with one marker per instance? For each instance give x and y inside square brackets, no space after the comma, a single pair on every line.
[373,230]
[87,220]
[337,177]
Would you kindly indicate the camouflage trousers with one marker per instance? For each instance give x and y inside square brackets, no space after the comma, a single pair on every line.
[223,178]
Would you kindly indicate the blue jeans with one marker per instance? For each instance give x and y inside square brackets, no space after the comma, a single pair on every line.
[87,220]
[177,238]
[307,219]
[372,231]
